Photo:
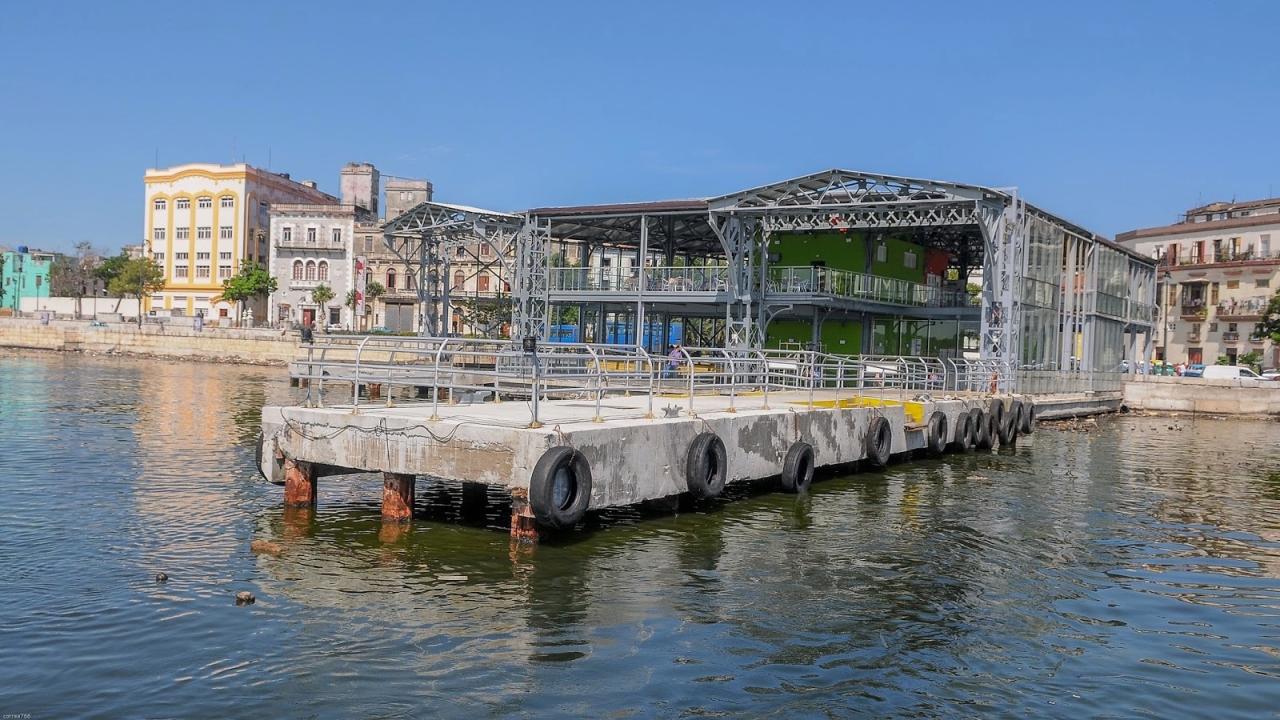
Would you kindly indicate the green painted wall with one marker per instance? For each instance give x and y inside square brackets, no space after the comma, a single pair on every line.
[847,251]
[833,332]
[844,251]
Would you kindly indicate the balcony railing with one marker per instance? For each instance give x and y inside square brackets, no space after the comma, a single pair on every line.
[1230,336]
[860,286]
[1193,308]
[1246,309]
[1209,256]
[304,244]
[660,279]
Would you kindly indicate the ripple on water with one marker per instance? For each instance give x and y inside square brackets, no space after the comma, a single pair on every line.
[1131,570]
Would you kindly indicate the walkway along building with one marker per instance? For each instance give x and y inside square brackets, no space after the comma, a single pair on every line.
[847,262]
[1218,269]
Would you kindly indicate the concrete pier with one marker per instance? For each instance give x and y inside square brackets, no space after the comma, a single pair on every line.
[621,459]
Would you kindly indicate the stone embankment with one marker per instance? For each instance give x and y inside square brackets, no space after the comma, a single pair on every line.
[248,346]
[1197,395]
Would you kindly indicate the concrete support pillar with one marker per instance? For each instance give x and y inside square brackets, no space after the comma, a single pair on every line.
[524,527]
[299,483]
[397,497]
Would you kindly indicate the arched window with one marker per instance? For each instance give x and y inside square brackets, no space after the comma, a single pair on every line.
[459,279]
[323,270]
[297,269]
[391,279]
[311,270]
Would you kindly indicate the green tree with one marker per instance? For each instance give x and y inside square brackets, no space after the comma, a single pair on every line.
[138,278]
[321,294]
[251,282]
[109,269]
[372,291]
[484,314]
[73,275]
[1251,360]
[1270,325]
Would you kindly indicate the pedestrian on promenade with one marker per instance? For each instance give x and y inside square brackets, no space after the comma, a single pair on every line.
[674,356]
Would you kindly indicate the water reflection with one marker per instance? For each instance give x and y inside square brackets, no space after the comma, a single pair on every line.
[1129,569]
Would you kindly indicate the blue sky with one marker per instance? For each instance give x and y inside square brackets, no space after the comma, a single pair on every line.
[1116,115]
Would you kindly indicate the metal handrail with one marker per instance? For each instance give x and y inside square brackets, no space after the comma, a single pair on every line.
[595,371]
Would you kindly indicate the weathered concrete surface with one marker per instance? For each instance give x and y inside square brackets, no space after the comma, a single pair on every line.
[1218,397]
[632,458]
[259,347]
[1069,406]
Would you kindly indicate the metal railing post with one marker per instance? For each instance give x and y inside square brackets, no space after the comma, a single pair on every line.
[355,383]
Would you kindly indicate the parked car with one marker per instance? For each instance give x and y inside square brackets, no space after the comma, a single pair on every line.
[1228,372]
[1272,374]
[1194,370]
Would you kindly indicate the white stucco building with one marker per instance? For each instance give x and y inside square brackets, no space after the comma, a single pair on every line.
[311,246]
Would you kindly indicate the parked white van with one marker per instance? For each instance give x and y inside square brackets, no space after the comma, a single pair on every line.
[1227,372]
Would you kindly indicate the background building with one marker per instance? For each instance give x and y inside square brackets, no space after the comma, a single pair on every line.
[25,275]
[311,246]
[202,221]
[1218,267]
[397,307]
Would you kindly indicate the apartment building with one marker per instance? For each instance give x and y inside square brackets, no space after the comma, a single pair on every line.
[24,273]
[1218,268]
[202,221]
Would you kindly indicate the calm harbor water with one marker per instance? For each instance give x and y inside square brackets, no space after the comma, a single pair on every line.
[1132,570]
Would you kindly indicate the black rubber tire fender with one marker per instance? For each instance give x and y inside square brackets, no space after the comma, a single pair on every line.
[996,408]
[985,438]
[937,433]
[1017,409]
[1008,428]
[976,423]
[560,487]
[257,455]
[879,441]
[1028,418]
[707,466]
[797,468]
[959,441]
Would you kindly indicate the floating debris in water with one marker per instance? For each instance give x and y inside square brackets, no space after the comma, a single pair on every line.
[161,577]
[266,547]
[244,597]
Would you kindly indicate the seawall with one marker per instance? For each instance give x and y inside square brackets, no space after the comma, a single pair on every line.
[1197,395]
[250,346]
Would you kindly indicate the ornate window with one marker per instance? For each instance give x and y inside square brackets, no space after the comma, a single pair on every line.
[311,270]
[322,271]
[297,269]
[391,279]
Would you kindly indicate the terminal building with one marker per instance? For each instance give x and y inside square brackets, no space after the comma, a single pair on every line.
[838,261]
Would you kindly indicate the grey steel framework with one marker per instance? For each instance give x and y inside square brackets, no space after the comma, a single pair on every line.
[1054,295]
[430,235]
